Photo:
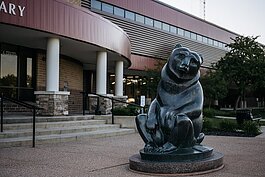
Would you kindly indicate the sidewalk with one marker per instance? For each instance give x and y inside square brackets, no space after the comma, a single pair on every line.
[108,157]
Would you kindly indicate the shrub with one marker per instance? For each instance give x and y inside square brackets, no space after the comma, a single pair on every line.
[207,112]
[251,128]
[121,111]
[207,125]
[126,111]
[210,112]
[228,126]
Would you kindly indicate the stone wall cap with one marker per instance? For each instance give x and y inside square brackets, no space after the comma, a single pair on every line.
[51,93]
[93,95]
[125,96]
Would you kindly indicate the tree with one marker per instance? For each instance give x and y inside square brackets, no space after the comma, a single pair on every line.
[214,86]
[243,65]
[153,78]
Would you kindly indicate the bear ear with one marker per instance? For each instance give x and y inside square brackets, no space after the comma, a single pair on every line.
[178,46]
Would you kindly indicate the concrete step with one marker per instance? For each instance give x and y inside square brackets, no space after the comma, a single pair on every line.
[55,138]
[56,130]
[18,129]
[20,126]
[12,119]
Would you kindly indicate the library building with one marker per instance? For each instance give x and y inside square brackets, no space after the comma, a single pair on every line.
[54,52]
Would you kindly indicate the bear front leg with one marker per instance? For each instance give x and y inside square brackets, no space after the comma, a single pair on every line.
[181,132]
[152,137]
[182,135]
[142,129]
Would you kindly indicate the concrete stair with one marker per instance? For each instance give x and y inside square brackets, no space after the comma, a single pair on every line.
[18,130]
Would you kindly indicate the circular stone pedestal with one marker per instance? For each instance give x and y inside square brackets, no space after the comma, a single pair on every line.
[185,161]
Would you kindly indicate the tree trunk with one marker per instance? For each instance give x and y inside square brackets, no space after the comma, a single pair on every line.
[237,101]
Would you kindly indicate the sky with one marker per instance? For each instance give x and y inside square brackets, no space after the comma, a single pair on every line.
[244,17]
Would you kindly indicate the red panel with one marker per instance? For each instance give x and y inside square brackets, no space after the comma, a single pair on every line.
[62,18]
[175,17]
[142,62]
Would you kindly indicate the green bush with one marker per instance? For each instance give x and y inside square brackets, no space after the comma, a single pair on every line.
[228,126]
[207,125]
[121,111]
[210,112]
[126,111]
[251,128]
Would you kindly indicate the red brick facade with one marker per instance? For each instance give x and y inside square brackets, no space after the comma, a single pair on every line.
[71,75]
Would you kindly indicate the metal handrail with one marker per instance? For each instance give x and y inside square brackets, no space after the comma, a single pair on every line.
[112,99]
[24,104]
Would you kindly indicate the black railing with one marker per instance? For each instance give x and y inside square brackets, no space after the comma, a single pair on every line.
[97,110]
[24,104]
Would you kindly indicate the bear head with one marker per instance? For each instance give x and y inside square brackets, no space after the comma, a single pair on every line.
[183,64]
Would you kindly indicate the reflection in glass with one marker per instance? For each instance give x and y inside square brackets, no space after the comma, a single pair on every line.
[165,27]
[149,21]
[204,39]
[8,69]
[187,34]
[215,43]
[193,36]
[129,15]
[157,24]
[139,18]
[180,32]
[107,8]
[119,11]
[210,41]
[29,72]
[199,37]
[173,29]
[96,4]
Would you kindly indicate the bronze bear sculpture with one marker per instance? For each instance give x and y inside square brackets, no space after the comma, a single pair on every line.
[174,119]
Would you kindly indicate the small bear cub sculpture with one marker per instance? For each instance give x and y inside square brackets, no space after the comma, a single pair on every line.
[174,118]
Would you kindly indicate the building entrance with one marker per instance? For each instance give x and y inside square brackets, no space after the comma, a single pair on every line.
[16,72]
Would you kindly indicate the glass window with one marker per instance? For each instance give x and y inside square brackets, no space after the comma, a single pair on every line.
[187,34]
[29,72]
[157,24]
[204,39]
[180,32]
[119,11]
[193,36]
[139,18]
[165,27]
[215,43]
[199,38]
[8,69]
[149,21]
[107,8]
[96,4]
[220,44]
[173,29]
[210,41]
[129,15]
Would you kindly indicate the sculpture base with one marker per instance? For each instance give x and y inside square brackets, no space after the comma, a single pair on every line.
[190,161]
[196,152]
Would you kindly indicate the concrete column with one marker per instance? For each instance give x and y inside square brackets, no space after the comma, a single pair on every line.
[101,76]
[119,78]
[52,64]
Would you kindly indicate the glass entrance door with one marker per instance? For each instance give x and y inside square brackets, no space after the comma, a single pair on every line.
[16,72]
[8,72]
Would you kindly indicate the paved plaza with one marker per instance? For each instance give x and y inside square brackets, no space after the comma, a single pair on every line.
[108,157]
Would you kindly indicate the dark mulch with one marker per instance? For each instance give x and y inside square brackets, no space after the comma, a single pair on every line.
[220,133]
